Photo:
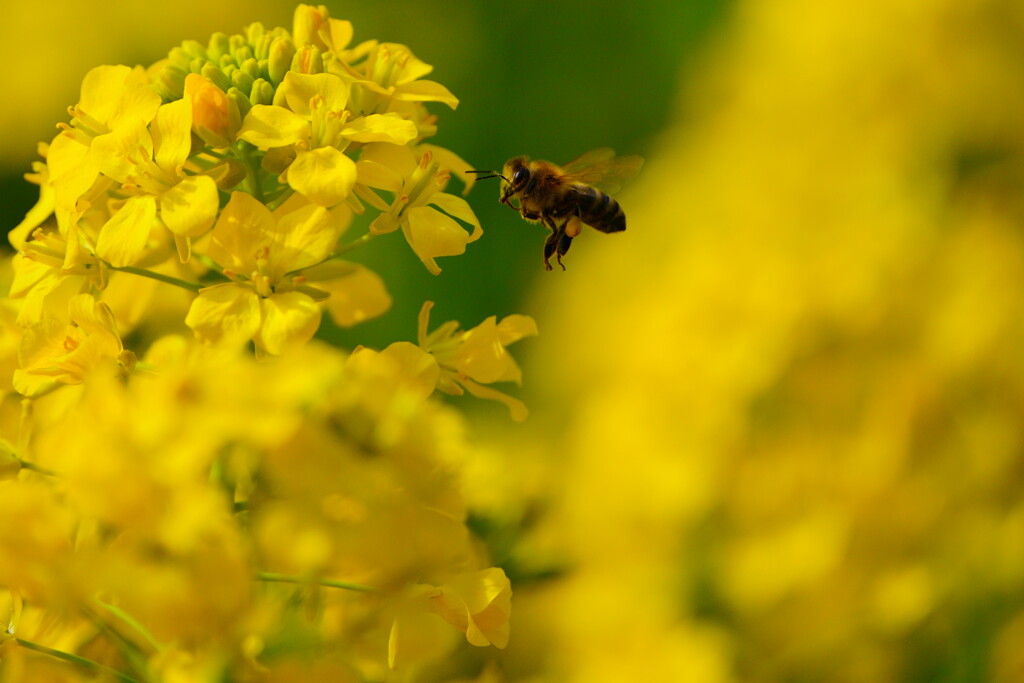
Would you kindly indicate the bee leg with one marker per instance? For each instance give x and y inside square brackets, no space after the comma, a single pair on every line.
[549,249]
[570,227]
[551,243]
[564,242]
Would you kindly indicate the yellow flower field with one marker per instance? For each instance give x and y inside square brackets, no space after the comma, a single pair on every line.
[772,432]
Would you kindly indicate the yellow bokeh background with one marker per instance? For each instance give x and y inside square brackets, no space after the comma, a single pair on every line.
[789,445]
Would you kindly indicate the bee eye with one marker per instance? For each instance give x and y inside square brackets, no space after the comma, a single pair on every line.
[519,177]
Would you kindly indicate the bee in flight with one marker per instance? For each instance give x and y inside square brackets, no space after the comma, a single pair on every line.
[566,198]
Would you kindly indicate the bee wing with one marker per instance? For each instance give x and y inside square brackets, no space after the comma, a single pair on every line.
[588,159]
[602,170]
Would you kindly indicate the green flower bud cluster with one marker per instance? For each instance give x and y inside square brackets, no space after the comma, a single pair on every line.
[247,67]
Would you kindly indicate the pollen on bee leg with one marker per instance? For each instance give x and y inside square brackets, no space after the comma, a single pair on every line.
[573,226]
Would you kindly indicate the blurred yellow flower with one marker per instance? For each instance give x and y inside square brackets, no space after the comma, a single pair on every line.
[55,352]
[468,359]
[478,603]
[811,469]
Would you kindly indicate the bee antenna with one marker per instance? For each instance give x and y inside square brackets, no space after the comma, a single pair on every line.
[494,174]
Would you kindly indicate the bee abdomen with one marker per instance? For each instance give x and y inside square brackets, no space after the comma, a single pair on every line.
[599,210]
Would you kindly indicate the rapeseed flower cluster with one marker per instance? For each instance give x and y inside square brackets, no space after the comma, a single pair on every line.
[191,488]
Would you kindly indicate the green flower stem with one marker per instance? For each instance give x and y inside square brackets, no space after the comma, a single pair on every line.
[26,465]
[75,659]
[131,621]
[354,244]
[286,578]
[252,182]
[191,286]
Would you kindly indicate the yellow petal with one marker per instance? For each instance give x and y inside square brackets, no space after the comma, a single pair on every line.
[432,234]
[95,319]
[120,153]
[72,170]
[417,367]
[482,357]
[378,175]
[27,274]
[271,126]
[399,159]
[123,238]
[380,128]
[341,34]
[172,135]
[416,636]
[426,91]
[448,159]
[412,67]
[423,323]
[302,238]
[228,313]
[325,175]
[118,94]
[478,603]
[516,408]
[101,90]
[33,218]
[289,320]
[40,342]
[459,208]
[514,327]
[297,89]
[245,225]
[189,208]
[357,293]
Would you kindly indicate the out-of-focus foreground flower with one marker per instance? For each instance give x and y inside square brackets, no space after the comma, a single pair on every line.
[793,447]
[190,488]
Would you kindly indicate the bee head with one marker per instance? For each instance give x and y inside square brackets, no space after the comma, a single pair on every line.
[514,176]
[515,173]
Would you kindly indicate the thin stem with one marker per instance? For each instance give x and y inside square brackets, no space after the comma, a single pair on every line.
[287,578]
[251,175]
[129,649]
[26,465]
[354,244]
[75,659]
[131,621]
[191,286]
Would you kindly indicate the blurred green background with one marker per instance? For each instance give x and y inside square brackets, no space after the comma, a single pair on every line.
[550,80]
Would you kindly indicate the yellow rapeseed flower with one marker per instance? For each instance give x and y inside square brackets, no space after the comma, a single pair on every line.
[310,118]
[209,513]
[419,208]
[57,352]
[468,359]
[264,254]
[477,603]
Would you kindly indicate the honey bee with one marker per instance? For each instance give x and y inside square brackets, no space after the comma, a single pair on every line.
[566,198]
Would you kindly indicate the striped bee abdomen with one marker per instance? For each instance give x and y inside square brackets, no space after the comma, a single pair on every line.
[598,210]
